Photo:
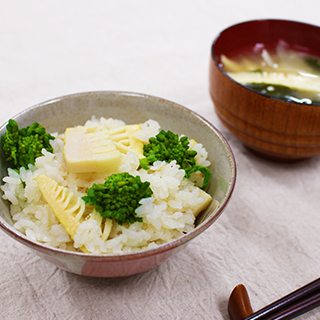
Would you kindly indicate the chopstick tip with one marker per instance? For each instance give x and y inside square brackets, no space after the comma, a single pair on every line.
[239,306]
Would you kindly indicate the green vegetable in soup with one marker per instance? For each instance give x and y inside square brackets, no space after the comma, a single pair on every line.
[313,62]
[281,92]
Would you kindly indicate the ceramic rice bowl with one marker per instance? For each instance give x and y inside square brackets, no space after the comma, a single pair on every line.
[57,114]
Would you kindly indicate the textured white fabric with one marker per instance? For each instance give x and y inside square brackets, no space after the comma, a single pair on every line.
[267,238]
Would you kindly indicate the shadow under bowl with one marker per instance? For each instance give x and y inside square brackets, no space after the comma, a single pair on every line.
[271,127]
[58,114]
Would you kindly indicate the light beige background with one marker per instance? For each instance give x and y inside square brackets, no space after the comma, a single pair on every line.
[268,237]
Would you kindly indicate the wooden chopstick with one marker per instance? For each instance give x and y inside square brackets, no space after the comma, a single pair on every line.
[292,305]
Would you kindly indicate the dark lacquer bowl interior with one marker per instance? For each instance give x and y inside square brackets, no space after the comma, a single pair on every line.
[57,114]
[274,128]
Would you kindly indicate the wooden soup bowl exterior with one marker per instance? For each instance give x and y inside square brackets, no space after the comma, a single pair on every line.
[273,128]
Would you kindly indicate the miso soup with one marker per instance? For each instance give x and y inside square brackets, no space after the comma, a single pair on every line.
[285,74]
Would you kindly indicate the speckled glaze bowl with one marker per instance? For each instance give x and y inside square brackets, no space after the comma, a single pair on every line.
[57,114]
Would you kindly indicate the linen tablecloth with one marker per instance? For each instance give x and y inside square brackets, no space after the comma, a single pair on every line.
[267,238]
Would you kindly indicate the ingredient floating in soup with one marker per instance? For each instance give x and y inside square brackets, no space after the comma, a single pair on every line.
[285,74]
[105,186]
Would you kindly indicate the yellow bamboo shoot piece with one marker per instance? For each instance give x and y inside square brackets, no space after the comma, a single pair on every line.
[125,141]
[66,206]
[87,149]
[106,229]
[105,224]
[204,204]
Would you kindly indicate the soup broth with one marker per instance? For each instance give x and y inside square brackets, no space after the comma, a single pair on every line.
[284,74]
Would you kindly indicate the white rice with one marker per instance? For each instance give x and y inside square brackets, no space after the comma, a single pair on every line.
[167,215]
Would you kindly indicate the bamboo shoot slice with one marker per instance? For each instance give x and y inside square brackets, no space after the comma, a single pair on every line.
[87,149]
[204,204]
[67,208]
[125,141]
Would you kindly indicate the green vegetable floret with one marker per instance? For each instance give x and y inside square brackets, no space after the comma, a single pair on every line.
[118,197]
[23,146]
[167,146]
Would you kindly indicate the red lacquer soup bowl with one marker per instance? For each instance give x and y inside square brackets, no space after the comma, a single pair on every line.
[274,128]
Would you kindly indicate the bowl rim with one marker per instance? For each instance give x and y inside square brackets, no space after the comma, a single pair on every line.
[213,56]
[113,257]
